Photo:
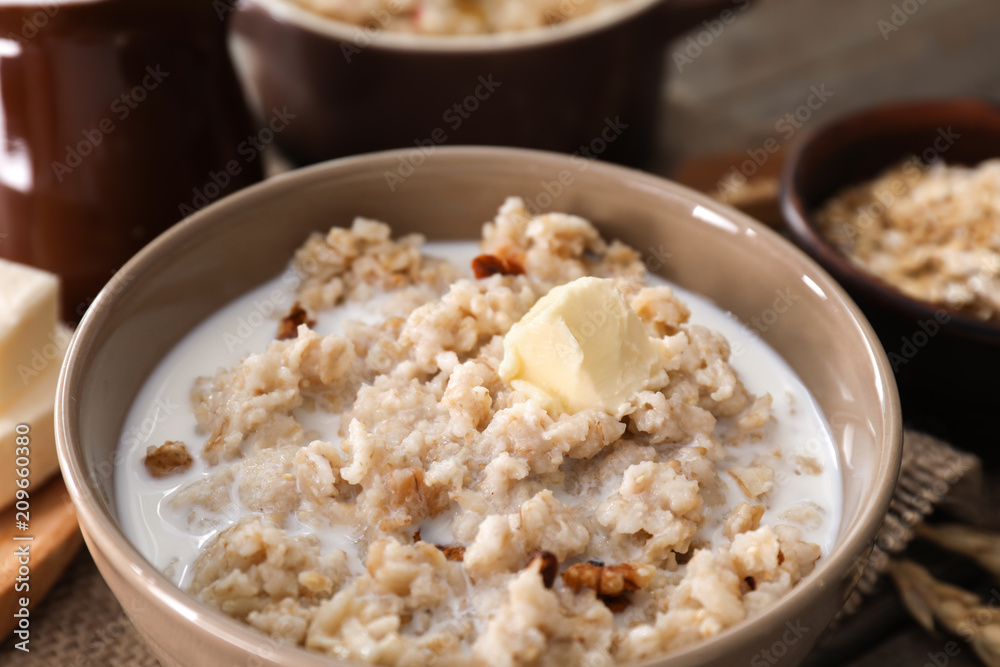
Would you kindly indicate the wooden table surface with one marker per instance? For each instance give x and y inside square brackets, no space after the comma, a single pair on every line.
[730,97]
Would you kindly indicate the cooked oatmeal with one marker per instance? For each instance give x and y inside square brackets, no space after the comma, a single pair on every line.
[932,232]
[372,490]
[454,17]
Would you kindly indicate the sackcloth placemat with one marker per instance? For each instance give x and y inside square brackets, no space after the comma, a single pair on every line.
[81,623]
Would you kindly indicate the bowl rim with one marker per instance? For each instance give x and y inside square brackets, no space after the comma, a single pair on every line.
[104,535]
[288,12]
[802,226]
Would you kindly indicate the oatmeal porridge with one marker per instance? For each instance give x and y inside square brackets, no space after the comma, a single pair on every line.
[932,232]
[373,457]
[454,17]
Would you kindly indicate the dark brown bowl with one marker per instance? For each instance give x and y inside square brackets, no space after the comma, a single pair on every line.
[590,85]
[946,363]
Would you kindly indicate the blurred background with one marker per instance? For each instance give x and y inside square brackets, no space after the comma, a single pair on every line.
[776,70]
[763,64]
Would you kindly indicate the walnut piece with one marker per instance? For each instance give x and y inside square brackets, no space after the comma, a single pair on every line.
[455,552]
[289,326]
[169,458]
[608,581]
[485,266]
[548,566]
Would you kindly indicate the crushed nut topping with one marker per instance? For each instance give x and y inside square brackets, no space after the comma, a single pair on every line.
[485,266]
[616,603]
[289,326]
[548,566]
[169,458]
[455,552]
[610,582]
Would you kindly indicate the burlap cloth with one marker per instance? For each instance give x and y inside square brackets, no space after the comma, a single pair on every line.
[81,624]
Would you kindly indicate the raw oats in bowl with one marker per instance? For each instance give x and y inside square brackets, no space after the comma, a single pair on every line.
[531,452]
[898,202]
[937,240]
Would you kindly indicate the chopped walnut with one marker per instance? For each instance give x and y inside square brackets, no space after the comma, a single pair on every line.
[755,481]
[455,552]
[485,266]
[289,326]
[741,519]
[608,581]
[169,458]
[548,566]
[616,603]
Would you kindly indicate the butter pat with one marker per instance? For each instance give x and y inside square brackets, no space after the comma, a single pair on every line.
[29,305]
[34,407]
[580,346]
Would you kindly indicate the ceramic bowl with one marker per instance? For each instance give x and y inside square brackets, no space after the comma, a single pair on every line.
[246,239]
[933,351]
[591,85]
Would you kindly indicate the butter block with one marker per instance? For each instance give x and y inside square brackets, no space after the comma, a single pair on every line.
[29,307]
[579,346]
[34,407]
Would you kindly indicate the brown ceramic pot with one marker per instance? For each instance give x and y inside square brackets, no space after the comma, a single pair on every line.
[113,113]
[945,362]
[591,85]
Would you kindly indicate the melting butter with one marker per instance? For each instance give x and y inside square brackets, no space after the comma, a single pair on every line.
[580,346]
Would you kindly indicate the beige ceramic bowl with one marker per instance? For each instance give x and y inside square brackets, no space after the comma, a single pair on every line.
[246,239]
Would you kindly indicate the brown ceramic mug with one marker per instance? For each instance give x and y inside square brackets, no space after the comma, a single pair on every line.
[590,85]
[117,117]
